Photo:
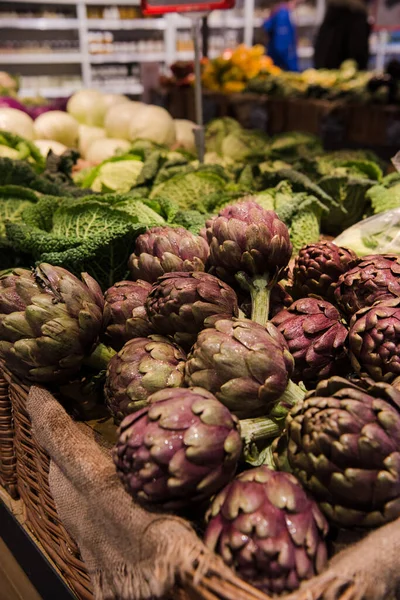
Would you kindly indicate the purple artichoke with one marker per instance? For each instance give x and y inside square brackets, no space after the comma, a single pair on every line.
[316,339]
[165,250]
[16,290]
[375,341]
[246,237]
[142,367]
[265,526]
[318,267]
[125,313]
[55,324]
[181,449]
[246,365]
[252,245]
[343,443]
[375,278]
[179,303]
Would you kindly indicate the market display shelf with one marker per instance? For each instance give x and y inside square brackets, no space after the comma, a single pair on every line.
[228,21]
[305,52]
[39,23]
[48,92]
[31,559]
[127,57]
[134,89]
[113,24]
[37,58]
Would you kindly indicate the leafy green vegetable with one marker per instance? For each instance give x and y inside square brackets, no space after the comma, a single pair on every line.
[192,220]
[17,172]
[350,195]
[18,148]
[243,145]
[117,174]
[189,190]
[217,130]
[301,212]
[94,234]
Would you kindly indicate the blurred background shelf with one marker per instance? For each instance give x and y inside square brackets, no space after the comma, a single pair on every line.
[68,43]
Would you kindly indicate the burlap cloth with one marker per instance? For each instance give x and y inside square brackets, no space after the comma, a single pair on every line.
[132,554]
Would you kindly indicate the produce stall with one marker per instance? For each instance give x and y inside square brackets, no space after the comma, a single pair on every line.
[199,387]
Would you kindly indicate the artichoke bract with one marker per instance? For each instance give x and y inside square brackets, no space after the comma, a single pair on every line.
[246,365]
[318,267]
[374,339]
[165,250]
[316,338]
[142,367]
[252,244]
[52,329]
[16,290]
[375,278]
[265,526]
[179,303]
[181,449]
[124,312]
[343,443]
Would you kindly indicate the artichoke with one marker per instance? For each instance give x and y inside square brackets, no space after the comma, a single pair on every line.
[56,322]
[179,303]
[17,287]
[375,278]
[142,367]
[124,312]
[165,250]
[318,267]
[181,449]
[343,443]
[253,245]
[316,339]
[246,365]
[375,341]
[265,526]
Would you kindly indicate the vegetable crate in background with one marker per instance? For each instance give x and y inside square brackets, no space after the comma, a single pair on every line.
[32,475]
[8,474]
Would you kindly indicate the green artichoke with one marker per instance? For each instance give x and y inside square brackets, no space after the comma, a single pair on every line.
[375,278]
[265,526]
[375,341]
[165,250]
[246,365]
[142,367]
[55,325]
[181,449]
[124,312]
[343,443]
[179,303]
[253,245]
[318,267]
[316,338]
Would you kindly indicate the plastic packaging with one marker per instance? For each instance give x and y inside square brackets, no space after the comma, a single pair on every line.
[379,234]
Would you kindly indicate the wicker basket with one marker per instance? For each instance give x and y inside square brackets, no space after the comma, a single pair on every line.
[8,472]
[33,486]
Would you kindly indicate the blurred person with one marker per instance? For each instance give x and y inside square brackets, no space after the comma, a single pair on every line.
[282,41]
[343,35]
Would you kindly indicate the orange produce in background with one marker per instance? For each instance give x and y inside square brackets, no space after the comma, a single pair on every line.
[231,71]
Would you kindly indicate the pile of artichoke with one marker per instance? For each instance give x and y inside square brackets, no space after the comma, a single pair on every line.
[259,398]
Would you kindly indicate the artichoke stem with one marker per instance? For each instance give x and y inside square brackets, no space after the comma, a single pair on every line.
[260,289]
[291,396]
[100,357]
[260,428]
